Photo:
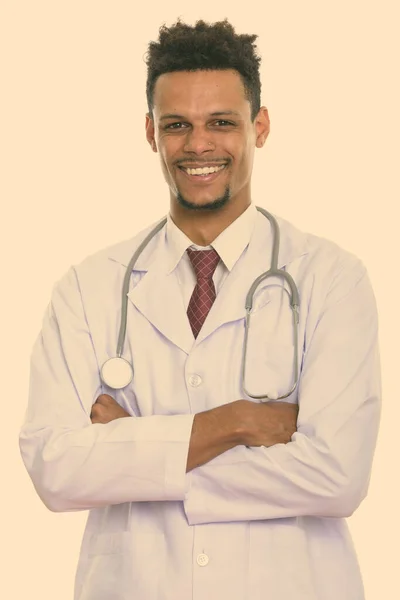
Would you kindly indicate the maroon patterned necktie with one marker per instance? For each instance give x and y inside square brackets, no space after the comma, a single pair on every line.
[204,263]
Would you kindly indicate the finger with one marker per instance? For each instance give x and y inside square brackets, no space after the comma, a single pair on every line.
[105,399]
[96,411]
[98,418]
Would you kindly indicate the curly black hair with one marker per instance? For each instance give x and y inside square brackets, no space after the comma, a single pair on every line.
[204,46]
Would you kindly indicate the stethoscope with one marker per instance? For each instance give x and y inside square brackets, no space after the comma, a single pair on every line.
[117,372]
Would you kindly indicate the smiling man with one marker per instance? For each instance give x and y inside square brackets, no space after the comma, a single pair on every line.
[202,125]
[200,487]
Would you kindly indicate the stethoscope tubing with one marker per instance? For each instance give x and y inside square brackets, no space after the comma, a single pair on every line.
[272,272]
[125,285]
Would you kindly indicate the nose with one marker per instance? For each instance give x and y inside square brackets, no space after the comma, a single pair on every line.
[198,141]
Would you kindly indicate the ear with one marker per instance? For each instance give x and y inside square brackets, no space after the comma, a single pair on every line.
[150,132]
[262,127]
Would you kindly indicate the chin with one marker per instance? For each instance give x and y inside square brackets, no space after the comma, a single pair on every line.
[215,204]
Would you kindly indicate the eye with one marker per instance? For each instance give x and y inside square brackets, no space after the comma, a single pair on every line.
[181,125]
[173,125]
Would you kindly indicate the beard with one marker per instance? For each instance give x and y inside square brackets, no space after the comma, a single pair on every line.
[213,205]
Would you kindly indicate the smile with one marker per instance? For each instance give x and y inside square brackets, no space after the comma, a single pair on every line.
[200,175]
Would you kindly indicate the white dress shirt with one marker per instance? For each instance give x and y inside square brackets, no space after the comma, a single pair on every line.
[229,244]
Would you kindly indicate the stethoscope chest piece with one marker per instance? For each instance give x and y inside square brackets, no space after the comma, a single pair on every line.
[117,373]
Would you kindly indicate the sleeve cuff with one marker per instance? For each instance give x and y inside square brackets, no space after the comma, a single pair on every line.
[176,478]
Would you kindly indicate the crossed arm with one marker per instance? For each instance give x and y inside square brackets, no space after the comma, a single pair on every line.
[217,430]
[258,454]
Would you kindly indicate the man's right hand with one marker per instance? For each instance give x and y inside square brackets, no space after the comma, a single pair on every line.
[240,423]
[265,423]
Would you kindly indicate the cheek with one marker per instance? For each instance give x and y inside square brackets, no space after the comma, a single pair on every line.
[243,152]
[247,159]
[243,163]
[169,153]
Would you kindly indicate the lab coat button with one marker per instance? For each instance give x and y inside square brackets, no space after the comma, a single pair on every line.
[195,380]
[202,560]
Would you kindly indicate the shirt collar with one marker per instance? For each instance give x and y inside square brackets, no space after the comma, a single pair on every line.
[229,244]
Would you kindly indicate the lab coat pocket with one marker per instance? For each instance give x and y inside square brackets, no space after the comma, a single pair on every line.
[110,543]
[108,572]
[270,346]
[271,371]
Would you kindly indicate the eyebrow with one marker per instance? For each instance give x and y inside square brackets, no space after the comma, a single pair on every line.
[219,113]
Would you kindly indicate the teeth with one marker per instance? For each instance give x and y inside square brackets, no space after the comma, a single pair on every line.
[204,171]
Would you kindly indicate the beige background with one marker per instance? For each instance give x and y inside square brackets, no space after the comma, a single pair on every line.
[78,175]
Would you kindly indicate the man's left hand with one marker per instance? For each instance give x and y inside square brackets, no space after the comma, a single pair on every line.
[106,409]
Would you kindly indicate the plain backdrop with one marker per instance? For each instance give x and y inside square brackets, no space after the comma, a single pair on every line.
[77,175]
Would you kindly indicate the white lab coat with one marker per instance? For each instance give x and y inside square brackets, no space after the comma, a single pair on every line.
[254,523]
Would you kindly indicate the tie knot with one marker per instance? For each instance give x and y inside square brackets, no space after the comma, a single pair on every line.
[204,262]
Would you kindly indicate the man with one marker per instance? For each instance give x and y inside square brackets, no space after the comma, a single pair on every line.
[196,489]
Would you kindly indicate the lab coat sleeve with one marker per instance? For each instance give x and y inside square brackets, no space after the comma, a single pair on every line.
[74,464]
[325,469]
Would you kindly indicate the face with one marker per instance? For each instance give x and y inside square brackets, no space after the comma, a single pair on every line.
[205,138]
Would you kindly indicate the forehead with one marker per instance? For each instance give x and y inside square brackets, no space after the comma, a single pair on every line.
[199,92]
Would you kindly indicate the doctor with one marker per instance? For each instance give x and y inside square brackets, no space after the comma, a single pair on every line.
[195,489]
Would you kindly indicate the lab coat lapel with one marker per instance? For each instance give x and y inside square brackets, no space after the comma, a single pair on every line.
[158,297]
[230,302]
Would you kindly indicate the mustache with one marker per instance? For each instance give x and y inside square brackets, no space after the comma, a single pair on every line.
[202,162]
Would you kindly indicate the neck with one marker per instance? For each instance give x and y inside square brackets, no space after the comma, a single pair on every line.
[203,227]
